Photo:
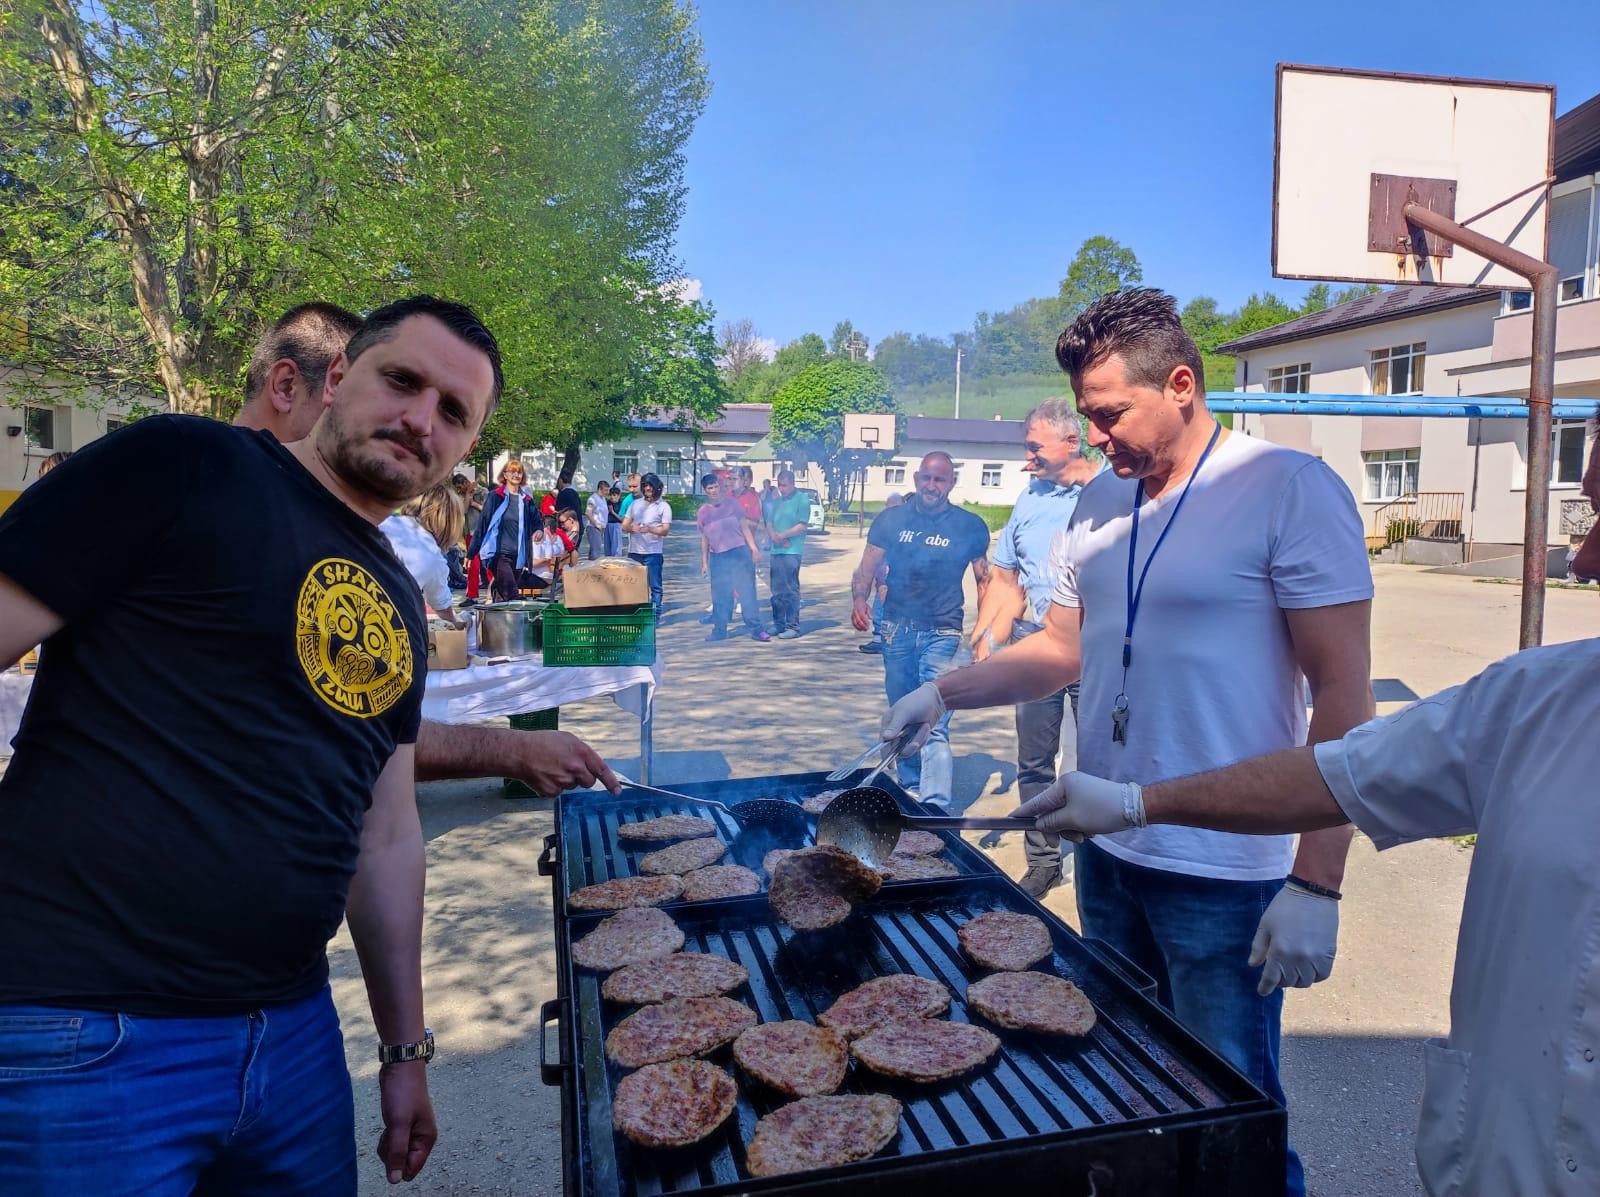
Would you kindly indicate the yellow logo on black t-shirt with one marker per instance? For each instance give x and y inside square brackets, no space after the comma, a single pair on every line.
[351,640]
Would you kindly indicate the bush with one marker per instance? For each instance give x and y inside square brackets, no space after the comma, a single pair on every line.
[684,506]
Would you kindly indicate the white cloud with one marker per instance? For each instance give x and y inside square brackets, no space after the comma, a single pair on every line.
[769,348]
[684,290]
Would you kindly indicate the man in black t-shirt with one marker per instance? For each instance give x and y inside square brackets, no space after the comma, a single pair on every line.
[928,546]
[215,766]
[568,499]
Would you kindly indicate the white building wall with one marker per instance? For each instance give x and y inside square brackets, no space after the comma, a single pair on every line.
[79,421]
[970,462]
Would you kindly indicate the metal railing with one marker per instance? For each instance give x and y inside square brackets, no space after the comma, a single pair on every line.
[1432,513]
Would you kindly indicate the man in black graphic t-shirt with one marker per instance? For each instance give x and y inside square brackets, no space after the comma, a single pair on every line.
[215,766]
[928,546]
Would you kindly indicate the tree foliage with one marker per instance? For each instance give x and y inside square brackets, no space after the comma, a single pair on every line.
[177,173]
[739,346]
[1102,265]
[808,412]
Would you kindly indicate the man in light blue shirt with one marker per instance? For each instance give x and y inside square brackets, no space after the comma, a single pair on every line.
[1022,583]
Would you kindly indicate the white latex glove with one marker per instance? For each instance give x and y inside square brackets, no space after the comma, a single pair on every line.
[919,710]
[1081,804]
[1297,939]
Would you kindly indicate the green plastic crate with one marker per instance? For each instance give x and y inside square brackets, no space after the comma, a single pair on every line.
[538,720]
[622,638]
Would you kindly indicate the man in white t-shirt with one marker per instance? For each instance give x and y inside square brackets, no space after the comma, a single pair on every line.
[1198,580]
[597,514]
[647,523]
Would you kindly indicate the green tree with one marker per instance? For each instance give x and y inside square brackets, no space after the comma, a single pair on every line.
[1355,291]
[1102,265]
[1318,298]
[808,413]
[907,360]
[178,173]
[848,341]
[1203,322]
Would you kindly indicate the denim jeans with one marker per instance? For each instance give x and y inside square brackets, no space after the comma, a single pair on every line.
[784,577]
[911,656]
[595,540]
[728,570]
[1193,935]
[614,540]
[652,566]
[121,1105]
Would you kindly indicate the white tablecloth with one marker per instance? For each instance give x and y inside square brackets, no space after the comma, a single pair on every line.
[14,690]
[486,691]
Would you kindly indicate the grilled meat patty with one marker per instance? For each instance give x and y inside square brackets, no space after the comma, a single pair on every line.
[719,881]
[620,893]
[885,999]
[673,1104]
[677,1029]
[925,1049]
[627,938]
[918,843]
[1031,1001]
[685,975]
[667,827]
[901,867]
[822,1132]
[818,803]
[795,1058]
[816,887]
[683,858]
[769,862]
[1004,940]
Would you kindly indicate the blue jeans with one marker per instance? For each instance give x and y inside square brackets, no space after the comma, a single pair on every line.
[121,1105]
[613,540]
[912,656]
[1193,935]
[652,565]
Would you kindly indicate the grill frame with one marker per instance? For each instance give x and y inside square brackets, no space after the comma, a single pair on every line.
[1214,1134]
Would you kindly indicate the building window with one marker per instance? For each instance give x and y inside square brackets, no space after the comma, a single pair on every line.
[1566,453]
[625,461]
[669,463]
[39,424]
[1569,242]
[990,475]
[1398,370]
[894,474]
[1290,380]
[1516,301]
[113,423]
[1571,288]
[1392,473]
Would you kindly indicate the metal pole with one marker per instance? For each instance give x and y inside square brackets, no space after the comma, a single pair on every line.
[1541,389]
[958,384]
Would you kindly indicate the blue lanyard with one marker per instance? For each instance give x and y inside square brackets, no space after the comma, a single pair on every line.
[1135,594]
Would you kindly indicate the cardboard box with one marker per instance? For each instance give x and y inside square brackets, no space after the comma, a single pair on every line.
[447,647]
[609,582]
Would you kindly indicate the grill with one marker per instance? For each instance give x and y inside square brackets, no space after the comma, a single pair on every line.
[1137,1106]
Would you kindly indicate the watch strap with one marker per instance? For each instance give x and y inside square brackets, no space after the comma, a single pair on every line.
[404,1053]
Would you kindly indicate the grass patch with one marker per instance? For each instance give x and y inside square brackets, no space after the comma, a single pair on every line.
[1009,396]
[993,515]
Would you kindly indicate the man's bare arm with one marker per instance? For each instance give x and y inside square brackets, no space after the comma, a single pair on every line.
[1333,648]
[1267,795]
[980,575]
[998,610]
[548,762]
[1038,666]
[861,588]
[24,622]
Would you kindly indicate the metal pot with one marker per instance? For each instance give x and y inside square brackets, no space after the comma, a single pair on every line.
[510,629]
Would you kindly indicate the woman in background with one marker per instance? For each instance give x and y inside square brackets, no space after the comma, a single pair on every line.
[420,533]
[505,530]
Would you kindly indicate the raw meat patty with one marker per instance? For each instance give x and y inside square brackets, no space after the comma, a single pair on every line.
[901,867]
[818,803]
[822,1132]
[795,1058]
[719,881]
[885,999]
[683,858]
[667,827]
[771,859]
[1003,940]
[689,974]
[918,843]
[816,887]
[677,1029]
[925,1049]
[627,938]
[622,892]
[1032,1002]
[673,1104]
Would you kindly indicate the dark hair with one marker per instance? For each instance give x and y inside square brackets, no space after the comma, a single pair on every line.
[310,335]
[379,326]
[1141,326]
[457,479]
[601,485]
[564,478]
[709,480]
[651,482]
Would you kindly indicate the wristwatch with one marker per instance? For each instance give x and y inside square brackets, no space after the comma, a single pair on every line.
[404,1053]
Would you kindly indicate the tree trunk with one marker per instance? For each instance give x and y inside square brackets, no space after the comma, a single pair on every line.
[569,459]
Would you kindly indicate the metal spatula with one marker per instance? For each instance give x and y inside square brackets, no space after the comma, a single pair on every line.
[867,822]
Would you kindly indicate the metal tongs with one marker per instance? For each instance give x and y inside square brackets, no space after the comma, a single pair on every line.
[753,812]
[866,822]
[888,752]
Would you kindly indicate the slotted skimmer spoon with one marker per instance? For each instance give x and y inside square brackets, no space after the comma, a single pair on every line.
[867,822]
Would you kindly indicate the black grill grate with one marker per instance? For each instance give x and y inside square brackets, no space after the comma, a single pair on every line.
[1136,1069]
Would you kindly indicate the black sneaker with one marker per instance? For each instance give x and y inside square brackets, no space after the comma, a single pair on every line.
[1040,880]
[871,646]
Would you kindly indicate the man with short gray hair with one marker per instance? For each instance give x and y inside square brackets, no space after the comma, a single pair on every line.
[1021,584]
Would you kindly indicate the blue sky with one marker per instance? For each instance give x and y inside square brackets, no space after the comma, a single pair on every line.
[907,163]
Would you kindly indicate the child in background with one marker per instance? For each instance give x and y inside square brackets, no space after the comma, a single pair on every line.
[549,549]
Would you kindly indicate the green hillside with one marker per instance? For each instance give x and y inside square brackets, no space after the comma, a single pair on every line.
[1012,396]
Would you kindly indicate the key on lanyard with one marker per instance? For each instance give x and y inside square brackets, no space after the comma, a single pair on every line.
[1119,720]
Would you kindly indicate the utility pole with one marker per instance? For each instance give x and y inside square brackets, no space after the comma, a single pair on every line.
[958,382]
[854,345]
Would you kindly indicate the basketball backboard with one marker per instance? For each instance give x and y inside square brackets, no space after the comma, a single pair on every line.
[1353,147]
[874,430]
